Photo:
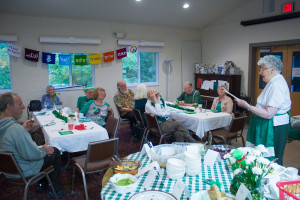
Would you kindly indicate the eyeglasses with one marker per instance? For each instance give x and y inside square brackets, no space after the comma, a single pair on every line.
[261,69]
[157,94]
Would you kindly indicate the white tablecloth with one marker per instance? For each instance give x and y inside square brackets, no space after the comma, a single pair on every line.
[72,142]
[201,122]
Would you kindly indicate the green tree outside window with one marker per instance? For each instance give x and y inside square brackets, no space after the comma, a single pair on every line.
[5,78]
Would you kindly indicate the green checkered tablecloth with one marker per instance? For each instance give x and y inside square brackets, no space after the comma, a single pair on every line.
[220,172]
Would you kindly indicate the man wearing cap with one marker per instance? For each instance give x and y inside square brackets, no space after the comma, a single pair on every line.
[88,90]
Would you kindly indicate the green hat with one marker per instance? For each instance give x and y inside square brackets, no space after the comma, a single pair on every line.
[88,87]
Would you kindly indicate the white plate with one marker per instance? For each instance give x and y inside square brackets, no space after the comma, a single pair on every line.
[152,195]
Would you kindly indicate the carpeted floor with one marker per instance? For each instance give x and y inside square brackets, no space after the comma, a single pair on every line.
[10,191]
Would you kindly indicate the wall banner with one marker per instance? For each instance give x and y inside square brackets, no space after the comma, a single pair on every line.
[95,59]
[31,55]
[13,50]
[109,56]
[64,59]
[121,53]
[80,59]
[48,58]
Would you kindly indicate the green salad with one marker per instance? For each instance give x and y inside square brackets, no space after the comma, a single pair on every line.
[124,182]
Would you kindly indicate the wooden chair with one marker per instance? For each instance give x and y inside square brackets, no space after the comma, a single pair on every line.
[139,123]
[234,131]
[100,155]
[112,126]
[9,165]
[154,129]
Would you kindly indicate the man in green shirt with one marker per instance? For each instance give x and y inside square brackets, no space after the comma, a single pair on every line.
[88,90]
[190,96]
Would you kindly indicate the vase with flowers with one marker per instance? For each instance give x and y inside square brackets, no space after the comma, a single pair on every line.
[249,167]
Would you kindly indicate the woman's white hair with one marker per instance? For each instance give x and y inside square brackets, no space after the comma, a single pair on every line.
[271,61]
[141,92]
[48,87]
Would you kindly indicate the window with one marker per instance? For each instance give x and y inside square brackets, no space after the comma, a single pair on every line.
[68,76]
[5,76]
[141,67]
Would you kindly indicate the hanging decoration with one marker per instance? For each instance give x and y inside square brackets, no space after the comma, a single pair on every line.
[31,55]
[80,59]
[133,49]
[13,50]
[121,53]
[64,59]
[95,59]
[109,56]
[48,58]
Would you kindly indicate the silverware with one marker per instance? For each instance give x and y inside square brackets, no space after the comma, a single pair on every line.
[272,162]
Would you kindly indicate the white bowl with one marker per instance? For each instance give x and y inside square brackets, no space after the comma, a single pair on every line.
[175,176]
[192,172]
[176,162]
[123,189]
[191,156]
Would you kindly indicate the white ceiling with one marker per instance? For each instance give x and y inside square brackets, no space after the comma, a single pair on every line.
[153,12]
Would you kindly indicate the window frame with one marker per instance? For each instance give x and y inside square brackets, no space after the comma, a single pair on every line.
[78,87]
[139,70]
[10,74]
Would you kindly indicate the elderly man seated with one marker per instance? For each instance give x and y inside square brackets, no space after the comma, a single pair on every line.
[125,103]
[88,90]
[15,138]
[190,96]
[157,106]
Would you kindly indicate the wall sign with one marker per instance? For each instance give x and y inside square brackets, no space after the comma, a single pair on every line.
[287,7]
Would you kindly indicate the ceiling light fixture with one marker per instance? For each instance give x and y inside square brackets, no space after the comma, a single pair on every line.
[138,0]
[186,5]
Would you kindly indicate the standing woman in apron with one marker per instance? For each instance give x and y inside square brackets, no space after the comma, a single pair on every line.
[269,124]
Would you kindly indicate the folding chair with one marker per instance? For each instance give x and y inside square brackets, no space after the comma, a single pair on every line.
[100,155]
[10,166]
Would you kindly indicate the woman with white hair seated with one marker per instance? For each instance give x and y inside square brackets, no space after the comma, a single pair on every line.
[50,98]
[269,124]
[140,98]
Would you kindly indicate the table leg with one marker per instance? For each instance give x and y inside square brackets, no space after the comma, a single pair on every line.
[209,138]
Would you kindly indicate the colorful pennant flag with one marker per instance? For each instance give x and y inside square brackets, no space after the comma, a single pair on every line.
[133,49]
[31,55]
[13,50]
[95,59]
[109,56]
[121,53]
[64,59]
[80,59]
[48,58]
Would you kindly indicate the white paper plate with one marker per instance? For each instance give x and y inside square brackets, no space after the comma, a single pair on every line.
[152,195]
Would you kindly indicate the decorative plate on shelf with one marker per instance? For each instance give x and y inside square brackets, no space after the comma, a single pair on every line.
[152,195]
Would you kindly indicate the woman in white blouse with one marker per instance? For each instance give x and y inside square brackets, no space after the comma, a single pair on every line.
[270,122]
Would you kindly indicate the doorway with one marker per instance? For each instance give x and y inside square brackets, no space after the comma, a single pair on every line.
[290,56]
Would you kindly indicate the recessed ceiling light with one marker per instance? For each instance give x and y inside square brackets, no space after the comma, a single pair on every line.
[186,5]
[138,0]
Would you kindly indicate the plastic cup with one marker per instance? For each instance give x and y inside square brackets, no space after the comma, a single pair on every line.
[70,126]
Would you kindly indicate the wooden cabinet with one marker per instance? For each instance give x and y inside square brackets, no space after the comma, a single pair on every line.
[233,80]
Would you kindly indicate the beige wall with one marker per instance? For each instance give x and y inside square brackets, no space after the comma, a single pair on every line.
[226,39]
[30,79]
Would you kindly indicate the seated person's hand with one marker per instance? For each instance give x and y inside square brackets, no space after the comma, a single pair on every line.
[152,96]
[152,115]
[28,125]
[49,149]
[181,103]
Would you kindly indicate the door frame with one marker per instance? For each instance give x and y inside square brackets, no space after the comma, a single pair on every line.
[252,60]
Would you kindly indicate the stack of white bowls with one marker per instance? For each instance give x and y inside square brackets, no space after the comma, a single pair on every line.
[193,163]
[175,168]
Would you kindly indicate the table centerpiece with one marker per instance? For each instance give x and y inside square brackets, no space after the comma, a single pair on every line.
[249,167]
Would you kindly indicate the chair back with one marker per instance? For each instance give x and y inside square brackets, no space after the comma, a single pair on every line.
[153,125]
[237,124]
[138,117]
[102,150]
[9,165]
[34,105]
[111,126]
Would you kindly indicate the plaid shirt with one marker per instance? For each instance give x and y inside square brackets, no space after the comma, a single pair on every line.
[124,100]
